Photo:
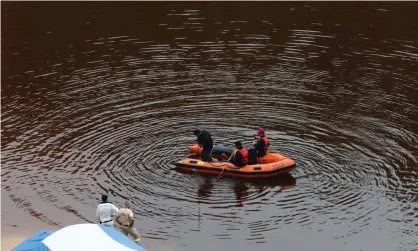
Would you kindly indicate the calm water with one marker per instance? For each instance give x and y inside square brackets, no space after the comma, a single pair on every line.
[103,97]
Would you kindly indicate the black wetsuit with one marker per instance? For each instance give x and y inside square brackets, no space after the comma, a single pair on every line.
[260,148]
[205,139]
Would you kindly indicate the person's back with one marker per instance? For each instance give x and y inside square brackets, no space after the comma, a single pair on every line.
[106,211]
[240,156]
[125,219]
[204,139]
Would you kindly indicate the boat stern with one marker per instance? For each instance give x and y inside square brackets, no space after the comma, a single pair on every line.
[195,149]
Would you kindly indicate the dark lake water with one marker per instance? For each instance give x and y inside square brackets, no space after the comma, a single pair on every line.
[102,97]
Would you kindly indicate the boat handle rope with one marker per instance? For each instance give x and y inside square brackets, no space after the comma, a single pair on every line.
[222,171]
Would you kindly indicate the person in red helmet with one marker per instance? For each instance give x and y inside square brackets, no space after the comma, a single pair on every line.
[262,143]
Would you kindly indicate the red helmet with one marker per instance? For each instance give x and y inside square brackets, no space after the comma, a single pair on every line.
[260,131]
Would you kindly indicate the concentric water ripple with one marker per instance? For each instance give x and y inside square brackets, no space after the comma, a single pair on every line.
[88,110]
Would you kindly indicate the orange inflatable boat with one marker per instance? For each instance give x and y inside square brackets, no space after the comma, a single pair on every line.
[270,165]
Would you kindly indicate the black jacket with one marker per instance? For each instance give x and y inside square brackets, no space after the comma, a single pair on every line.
[260,147]
[205,139]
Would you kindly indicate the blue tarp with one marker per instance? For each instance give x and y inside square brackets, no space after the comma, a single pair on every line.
[34,243]
[80,237]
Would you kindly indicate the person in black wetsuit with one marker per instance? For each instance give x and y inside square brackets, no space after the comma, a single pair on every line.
[204,139]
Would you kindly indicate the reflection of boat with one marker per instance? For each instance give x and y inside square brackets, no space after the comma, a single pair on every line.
[284,181]
[270,165]
[242,187]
